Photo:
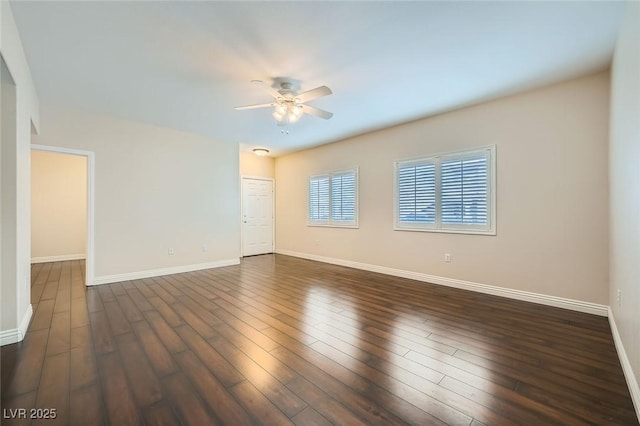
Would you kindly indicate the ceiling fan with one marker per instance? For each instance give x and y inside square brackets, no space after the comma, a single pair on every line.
[288,105]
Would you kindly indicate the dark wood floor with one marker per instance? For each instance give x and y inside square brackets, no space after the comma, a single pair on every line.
[280,340]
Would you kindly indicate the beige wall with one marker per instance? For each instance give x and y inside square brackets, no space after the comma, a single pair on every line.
[58,206]
[155,189]
[252,165]
[625,190]
[15,290]
[552,194]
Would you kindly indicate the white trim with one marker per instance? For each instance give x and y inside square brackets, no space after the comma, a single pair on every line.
[543,299]
[17,334]
[60,150]
[89,265]
[256,177]
[273,210]
[107,279]
[632,383]
[59,258]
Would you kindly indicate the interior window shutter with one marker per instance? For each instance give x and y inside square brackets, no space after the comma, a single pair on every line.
[464,190]
[343,197]
[416,201]
[319,199]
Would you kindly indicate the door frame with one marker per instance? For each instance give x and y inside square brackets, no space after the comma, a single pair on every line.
[90,155]
[273,212]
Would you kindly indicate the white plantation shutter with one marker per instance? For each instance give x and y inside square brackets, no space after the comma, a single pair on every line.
[333,199]
[448,193]
[319,199]
[343,197]
[464,192]
[417,193]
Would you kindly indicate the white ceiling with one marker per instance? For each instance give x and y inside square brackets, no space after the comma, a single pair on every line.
[185,65]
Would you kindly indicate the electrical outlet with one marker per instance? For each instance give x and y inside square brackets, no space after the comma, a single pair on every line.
[317,242]
[171,252]
[619,297]
[205,248]
[447,257]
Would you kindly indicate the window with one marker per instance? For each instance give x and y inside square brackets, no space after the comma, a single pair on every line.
[333,199]
[447,193]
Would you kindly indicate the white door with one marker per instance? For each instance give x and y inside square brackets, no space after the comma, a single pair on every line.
[257,216]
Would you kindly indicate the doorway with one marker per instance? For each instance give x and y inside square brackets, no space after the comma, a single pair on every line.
[257,216]
[62,176]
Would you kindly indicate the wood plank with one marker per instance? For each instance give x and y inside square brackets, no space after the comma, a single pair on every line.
[167,312]
[81,336]
[63,296]
[310,417]
[117,319]
[43,315]
[50,290]
[186,403]
[327,407]
[59,333]
[213,391]
[130,310]
[86,406]
[141,302]
[165,332]
[223,369]
[79,312]
[120,404]
[194,320]
[162,292]
[267,384]
[142,380]
[85,370]
[53,390]
[161,414]
[28,368]
[159,357]
[117,289]
[102,335]
[260,407]
[94,302]
[256,354]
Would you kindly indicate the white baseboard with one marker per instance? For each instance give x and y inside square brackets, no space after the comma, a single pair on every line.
[106,279]
[559,302]
[16,335]
[60,258]
[632,382]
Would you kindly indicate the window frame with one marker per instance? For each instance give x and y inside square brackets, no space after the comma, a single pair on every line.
[331,222]
[437,159]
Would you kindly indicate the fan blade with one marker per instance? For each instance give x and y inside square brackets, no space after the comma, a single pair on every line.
[273,92]
[312,94]
[317,112]
[240,108]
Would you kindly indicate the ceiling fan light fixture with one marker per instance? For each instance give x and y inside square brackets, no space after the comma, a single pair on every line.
[279,117]
[287,112]
[281,109]
[288,105]
[294,114]
[260,152]
[296,110]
